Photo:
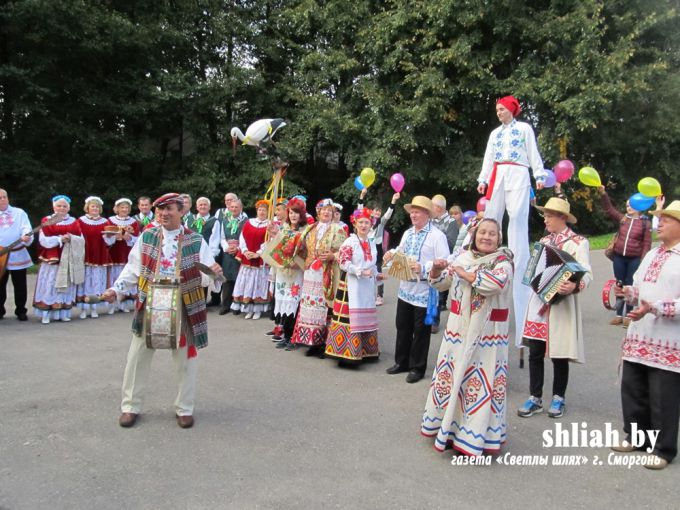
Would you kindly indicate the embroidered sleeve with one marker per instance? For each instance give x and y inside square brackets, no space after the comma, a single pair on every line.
[492,281]
[442,282]
[665,308]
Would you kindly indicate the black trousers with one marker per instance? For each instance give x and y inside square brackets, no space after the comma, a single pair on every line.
[20,291]
[536,369]
[378,265]
[413,337]
[227,294]
[650,397]
[288,323]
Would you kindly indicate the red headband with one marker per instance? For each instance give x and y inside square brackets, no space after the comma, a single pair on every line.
[511,104]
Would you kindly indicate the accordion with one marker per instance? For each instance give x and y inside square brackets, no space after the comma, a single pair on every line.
[548,268]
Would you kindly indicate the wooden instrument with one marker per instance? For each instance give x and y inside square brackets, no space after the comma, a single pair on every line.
[5,250]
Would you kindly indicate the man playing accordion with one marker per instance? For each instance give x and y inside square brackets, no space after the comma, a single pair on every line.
[556,328]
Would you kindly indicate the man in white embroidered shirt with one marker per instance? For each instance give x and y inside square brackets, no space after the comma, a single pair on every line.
[510,152]
[422,243]
[650,381]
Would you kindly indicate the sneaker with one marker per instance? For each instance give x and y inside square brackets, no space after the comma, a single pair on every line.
[379,301]
[46,318]
[111,310]
[249,315]
[557,406]
[256,316]
[94,314]
[532,406]
[616,321]
[83,314]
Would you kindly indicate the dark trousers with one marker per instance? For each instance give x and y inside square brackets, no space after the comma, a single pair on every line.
[650,397]
[413,337]
[227,294]
[288,323]
[20,292]
[536,369]
[624,269]
[378,264]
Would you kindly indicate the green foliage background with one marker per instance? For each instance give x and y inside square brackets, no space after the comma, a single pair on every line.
[122,98]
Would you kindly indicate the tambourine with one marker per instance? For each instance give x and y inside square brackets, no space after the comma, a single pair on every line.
[607,295]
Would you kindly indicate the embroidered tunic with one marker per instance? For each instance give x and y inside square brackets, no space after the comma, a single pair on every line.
[424,246]
[473,356]
[560,325]
[654,340]
[353,333]
[14,223]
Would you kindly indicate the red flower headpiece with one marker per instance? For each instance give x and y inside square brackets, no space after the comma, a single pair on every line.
[297,205]
[361,213]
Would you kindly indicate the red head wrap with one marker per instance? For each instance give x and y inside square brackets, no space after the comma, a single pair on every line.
[511,104]
[297,205]
[361,213]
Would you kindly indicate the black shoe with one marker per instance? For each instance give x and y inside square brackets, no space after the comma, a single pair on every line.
[316,350]
[396,369]
[224,311]
[290,347]
[236,312]
[414,376]
[282,344]
[22,317]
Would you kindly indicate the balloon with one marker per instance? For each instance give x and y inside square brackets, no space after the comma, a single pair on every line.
[649,187]
[550,179]
[397,182]
[640,202]
[532,194]
[367,177]
[467,216]
[358,184]
[589,176]
[564,169]
[481,204]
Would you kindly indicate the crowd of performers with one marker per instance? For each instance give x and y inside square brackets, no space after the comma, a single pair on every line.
[320,282]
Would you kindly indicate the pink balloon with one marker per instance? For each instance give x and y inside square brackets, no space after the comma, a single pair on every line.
[564,170]
[481,204]
[550,179]
[397,182]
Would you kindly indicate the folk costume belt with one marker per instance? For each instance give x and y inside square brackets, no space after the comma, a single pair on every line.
[492,180]
[497,314]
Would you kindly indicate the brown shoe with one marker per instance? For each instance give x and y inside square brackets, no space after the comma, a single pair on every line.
[626,322]
[127,420]
[185,422]
[655,462]
[616,321]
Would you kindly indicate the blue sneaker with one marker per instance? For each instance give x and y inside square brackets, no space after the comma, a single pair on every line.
[532,406]
[557,406]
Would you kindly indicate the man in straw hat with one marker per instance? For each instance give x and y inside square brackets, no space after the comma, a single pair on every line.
[166,252]
[505,181]
[556,329]
[422,243]
[650,385]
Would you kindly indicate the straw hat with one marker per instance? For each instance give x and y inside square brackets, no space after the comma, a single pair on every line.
[560,206]
[420,202]
[673,210]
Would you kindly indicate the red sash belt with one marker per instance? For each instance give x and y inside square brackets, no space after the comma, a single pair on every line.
[492,181]
[497,314]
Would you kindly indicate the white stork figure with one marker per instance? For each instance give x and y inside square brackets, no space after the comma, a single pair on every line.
[258,132]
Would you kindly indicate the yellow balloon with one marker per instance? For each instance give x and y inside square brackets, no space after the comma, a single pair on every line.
[367,176]
[589,176]
[649,187]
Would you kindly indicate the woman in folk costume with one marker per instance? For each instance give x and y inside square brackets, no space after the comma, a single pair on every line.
[556,330]
[97,257]
[319,245]
[353,333]
[55,293]
[466,406]
[282,251]
[125,237]
[251,291]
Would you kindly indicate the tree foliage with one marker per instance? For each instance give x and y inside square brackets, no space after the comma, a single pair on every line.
[124,98]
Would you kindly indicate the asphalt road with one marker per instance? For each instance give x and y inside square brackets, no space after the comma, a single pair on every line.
[279,430]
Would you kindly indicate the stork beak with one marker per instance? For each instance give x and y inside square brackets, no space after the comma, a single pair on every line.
[245,140]
[233,146]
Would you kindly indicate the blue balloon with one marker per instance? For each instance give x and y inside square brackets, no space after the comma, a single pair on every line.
[358,184]
[640,202]
[532,194]
[467,216]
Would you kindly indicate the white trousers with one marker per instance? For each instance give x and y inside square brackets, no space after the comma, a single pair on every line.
[516,203]
[137,375]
